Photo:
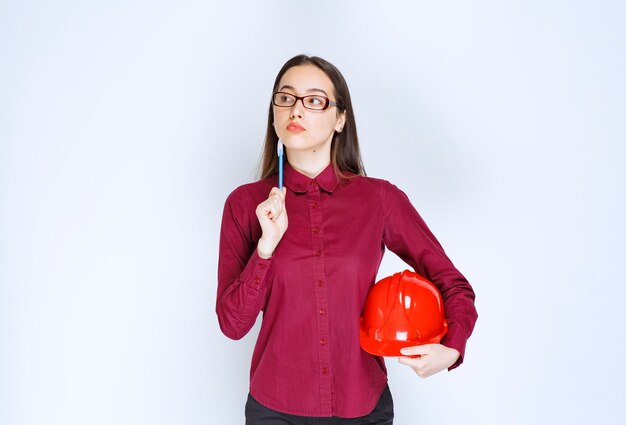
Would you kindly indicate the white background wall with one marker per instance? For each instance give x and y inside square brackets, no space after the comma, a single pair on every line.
[124,125]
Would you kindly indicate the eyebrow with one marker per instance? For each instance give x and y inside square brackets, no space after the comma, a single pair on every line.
[307,91]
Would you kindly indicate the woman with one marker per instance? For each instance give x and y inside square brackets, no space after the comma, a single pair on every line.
[306,256]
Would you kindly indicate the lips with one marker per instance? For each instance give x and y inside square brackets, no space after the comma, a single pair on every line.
[295,127]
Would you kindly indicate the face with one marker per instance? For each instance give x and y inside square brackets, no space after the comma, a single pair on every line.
[300,128]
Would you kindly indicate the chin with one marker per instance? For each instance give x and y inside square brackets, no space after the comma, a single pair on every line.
[297,143]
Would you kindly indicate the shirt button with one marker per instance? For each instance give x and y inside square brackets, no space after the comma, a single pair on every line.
[318,253]
[262,266]
[320,283]
[323,341]
[313,183]
[322,311]
[324,370]
[257,280]
[315,205]
[316,229]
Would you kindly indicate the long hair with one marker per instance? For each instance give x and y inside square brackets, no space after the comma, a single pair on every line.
[345,154]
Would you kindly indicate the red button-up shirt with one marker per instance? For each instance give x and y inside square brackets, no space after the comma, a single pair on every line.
[307,360]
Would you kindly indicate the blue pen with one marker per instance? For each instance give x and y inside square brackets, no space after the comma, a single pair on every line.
[280,164]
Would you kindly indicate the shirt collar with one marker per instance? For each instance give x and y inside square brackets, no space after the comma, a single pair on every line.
[300,183]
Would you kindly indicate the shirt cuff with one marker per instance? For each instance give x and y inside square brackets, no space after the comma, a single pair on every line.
[255,271]
[456,338]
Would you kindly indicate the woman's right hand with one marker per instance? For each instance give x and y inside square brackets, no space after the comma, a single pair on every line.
[272,216]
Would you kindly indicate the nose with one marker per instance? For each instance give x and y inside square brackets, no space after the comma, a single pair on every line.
[297,109]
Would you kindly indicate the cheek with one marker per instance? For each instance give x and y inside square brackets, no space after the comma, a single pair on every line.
[330,123]
[282,116]
[278,114]
[281,120]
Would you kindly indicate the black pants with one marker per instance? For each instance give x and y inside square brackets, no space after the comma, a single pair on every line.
[257,414]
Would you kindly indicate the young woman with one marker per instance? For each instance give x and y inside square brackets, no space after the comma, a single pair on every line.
[307,255]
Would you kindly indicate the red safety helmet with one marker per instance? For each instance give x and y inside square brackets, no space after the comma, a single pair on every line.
[401,311]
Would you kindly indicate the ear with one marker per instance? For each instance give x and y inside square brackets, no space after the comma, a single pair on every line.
[341,121]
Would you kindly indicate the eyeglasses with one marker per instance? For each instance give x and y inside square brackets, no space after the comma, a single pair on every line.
[314,102]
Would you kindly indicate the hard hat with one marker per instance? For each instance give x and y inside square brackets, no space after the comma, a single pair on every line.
[400,311]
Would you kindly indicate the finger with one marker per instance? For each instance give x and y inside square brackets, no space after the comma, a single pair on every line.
[419,366]
[278,207]
[269,208]
[274,206]
[416,350]
[280,193]
[406,361]
[279,200]
[415,363]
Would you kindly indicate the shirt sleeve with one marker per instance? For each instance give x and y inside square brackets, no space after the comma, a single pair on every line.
[242,275]
[406,234]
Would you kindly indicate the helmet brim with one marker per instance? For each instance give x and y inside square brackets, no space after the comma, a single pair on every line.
[391,348]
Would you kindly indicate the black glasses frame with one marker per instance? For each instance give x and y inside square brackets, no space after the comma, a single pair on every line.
[327,105]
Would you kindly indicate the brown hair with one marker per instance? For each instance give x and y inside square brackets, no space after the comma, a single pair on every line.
[345,154]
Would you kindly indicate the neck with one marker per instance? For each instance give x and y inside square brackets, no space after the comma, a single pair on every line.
[309,163]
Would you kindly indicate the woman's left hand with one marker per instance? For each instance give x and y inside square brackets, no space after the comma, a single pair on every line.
[432,358]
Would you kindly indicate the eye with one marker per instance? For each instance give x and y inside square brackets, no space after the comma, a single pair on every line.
[315,101]
[285,98]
